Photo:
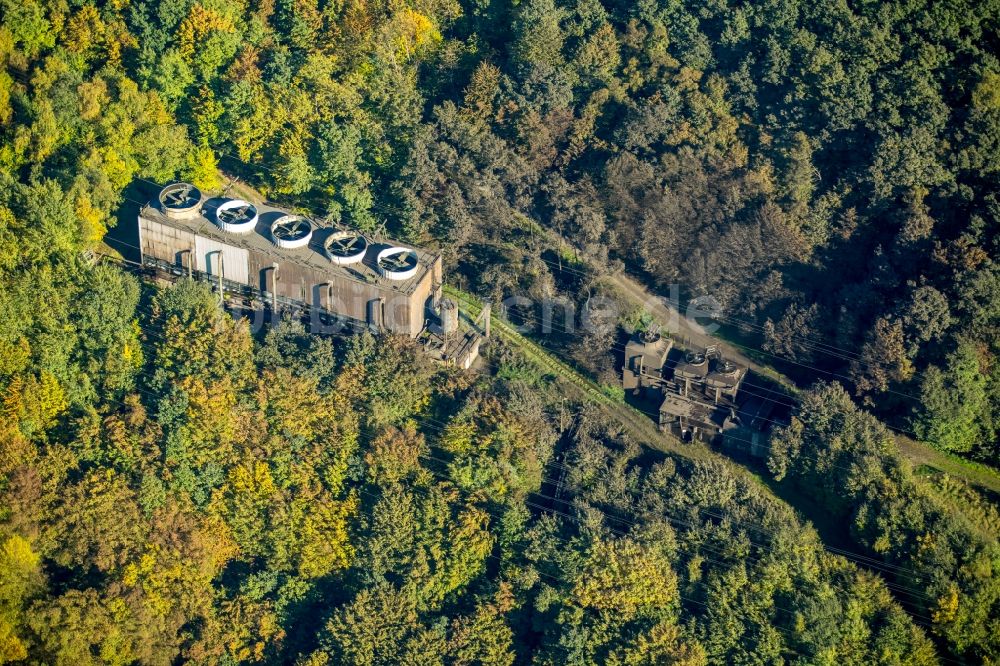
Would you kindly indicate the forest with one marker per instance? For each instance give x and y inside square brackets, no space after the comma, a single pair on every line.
[176,488]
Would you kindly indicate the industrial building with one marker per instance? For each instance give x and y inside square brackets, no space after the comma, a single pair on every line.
[280,259]
[697,393]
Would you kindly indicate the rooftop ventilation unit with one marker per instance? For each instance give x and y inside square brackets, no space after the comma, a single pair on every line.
[694,358]
[345,247]
[237,216]
[291,231]
[180,200]
[725,366]
[397,263]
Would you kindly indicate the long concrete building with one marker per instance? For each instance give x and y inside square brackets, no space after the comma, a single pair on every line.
[280,256]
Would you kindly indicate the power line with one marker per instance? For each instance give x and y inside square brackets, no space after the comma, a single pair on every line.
[149,333]
[676,304]
[730,436]
[889,584]
[815,345]
[751,393]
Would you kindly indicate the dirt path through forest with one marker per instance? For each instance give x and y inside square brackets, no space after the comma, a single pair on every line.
[688,332]
[917,453]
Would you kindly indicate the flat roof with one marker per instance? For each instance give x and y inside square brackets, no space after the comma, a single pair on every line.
[202,223]
[678,405]
[654,354]
[708,371]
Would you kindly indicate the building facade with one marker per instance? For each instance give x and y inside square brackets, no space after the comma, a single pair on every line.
[287,258]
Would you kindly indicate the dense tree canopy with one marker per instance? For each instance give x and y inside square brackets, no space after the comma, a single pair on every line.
[246,501]
[781,157]
[173,488]
[942,559]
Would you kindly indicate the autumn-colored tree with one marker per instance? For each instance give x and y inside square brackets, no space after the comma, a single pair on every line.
[883,359]
[20,579]
[624,578]
[174,489]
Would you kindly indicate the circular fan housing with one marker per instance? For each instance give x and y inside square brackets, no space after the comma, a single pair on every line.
[345,247]
[237,216]
[694,358]
[397,263]
[180,199]
[649,337]
[725,367]
[291,231]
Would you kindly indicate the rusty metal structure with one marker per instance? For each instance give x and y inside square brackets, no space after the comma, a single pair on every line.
[696,393]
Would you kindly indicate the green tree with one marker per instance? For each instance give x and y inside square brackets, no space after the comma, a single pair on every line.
[956,413]
[381,626]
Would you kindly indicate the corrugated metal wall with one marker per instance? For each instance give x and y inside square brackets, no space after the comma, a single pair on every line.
[166,243]
[235,260]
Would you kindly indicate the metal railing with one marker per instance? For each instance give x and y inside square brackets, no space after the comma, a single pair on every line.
[268,300]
